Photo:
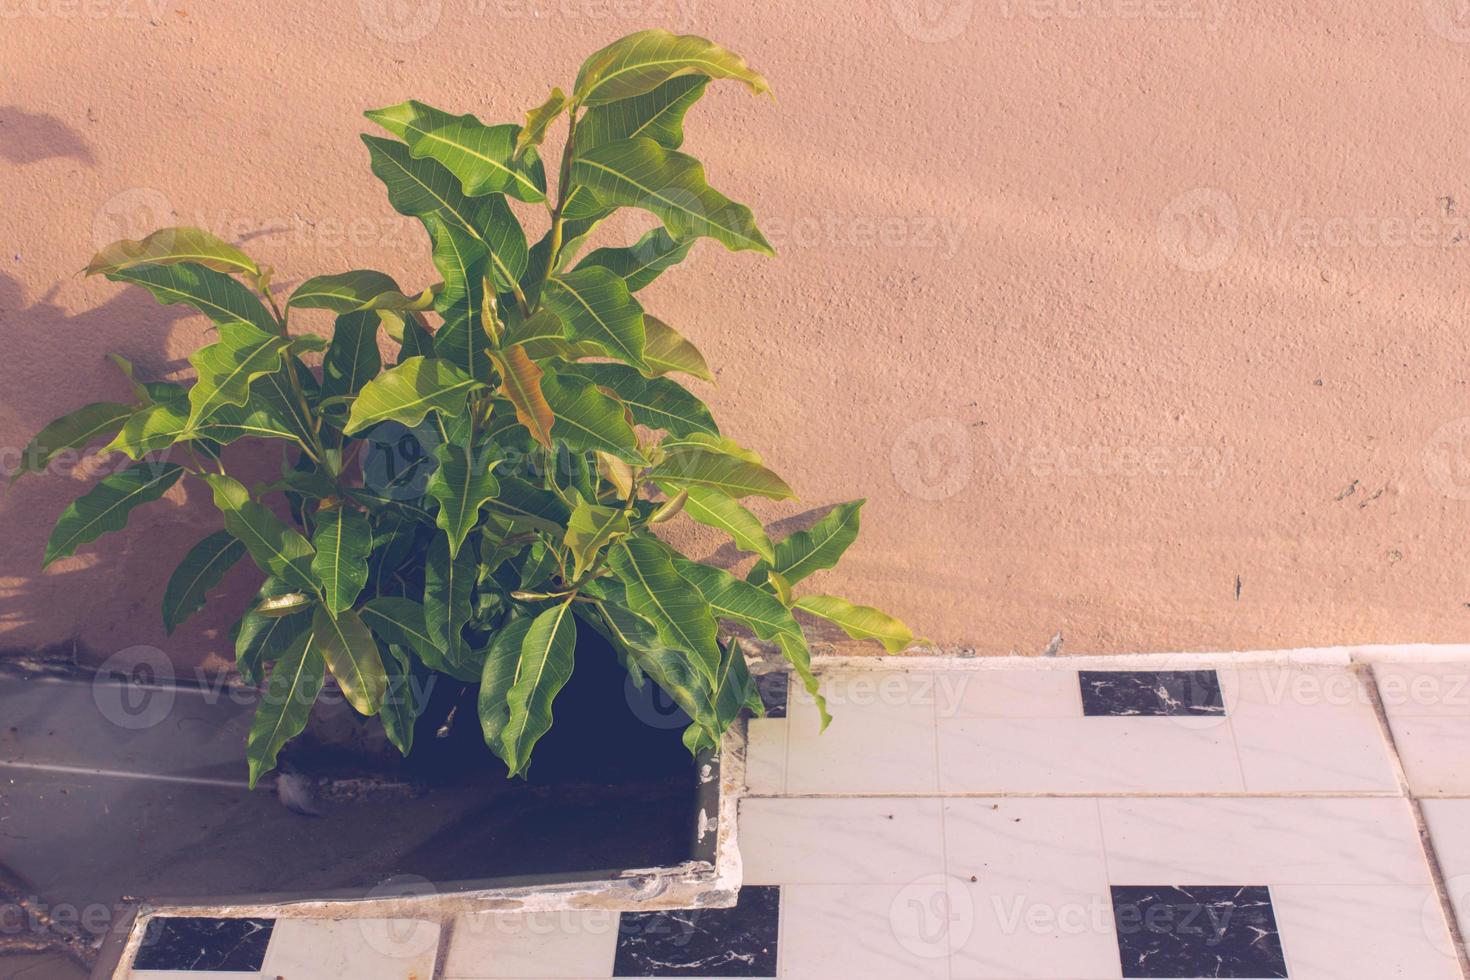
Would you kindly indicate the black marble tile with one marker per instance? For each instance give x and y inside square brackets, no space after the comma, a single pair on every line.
[187,943]
[737,942]
[1205,931]
[773,689]
[1151,692]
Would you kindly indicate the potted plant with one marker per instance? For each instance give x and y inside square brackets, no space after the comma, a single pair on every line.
[475,504]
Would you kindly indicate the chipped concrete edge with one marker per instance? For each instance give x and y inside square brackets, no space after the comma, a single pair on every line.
[695,884]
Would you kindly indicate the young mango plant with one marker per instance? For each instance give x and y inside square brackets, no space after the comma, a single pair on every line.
[467,508]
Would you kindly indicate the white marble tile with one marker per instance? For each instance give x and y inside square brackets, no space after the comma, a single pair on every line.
[881,739]
[1449,829]
[1433,751]
[871,932]
[523,946]
[1087,755]
[1306,729]
[352,949]
[1039,892]
[765,757]
[1009,694]
[840,841]
[1363,932]
[1261,841]
[1424,690]
[184,975]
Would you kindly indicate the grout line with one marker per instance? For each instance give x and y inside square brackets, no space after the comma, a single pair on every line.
[1081,794]
[1426,841]
[944,875]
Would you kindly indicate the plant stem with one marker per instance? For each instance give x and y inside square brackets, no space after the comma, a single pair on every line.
[563,188]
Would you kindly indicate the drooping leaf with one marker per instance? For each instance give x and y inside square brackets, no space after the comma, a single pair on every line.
[462,484]
[263,639]
[97,422]
[169,246]
[411,390]
[780,586]
[696,466]
[639,173]
[804,552]
[657,114]
[288,604]
[353,292]
[538,119]
[268,414]
[153,427]
[352,656]
[859,622]
[107,505]
[401,621]
[447,586]
[594,305]
[275,546]
[352,358]
[534,506]
[658,403]
[201,570]
[216,295]
[227,368]
[666,350]
[591,526]
[498,674]
[640,263]
[295,682]
[400,705]
[587,420]
[521,381]
[643,61]
[713,509]
[343,540]
[482,157]
[658,593]
[545,665]
[734,688]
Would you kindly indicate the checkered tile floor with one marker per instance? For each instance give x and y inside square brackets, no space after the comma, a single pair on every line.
[1053,824]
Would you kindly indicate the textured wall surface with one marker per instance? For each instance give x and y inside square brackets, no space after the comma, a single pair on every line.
[1141,321]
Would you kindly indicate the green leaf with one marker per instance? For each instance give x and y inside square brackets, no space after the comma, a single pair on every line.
[658,114]
[658,593]
[270,413]
[227,368]
[591,526]
[216,295]
[713,509]
[295,682]
[482,157]
[655,402]
[401,622]
[666,350]
[151,428]
[537,507]
[343,540]
[587,420]
[643,61]
[169,246]
[499,673]
[547,655]
[859,622]
[351,654]
[639,173]
[97,422]
[352,292]
[520,379]
[276,547]
[263,639]
[804,552]
[594,305]
[107,505]
[462,484]
[538,119]
[447,586]
[734,689]
[640,263]
[411,390]
[352,358]
[400,707]
[695,466]
[200,571]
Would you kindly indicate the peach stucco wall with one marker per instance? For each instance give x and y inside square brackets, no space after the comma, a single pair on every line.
[1138,321]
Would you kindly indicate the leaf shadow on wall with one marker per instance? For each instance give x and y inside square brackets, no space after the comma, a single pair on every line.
[29,137]
[107,597]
